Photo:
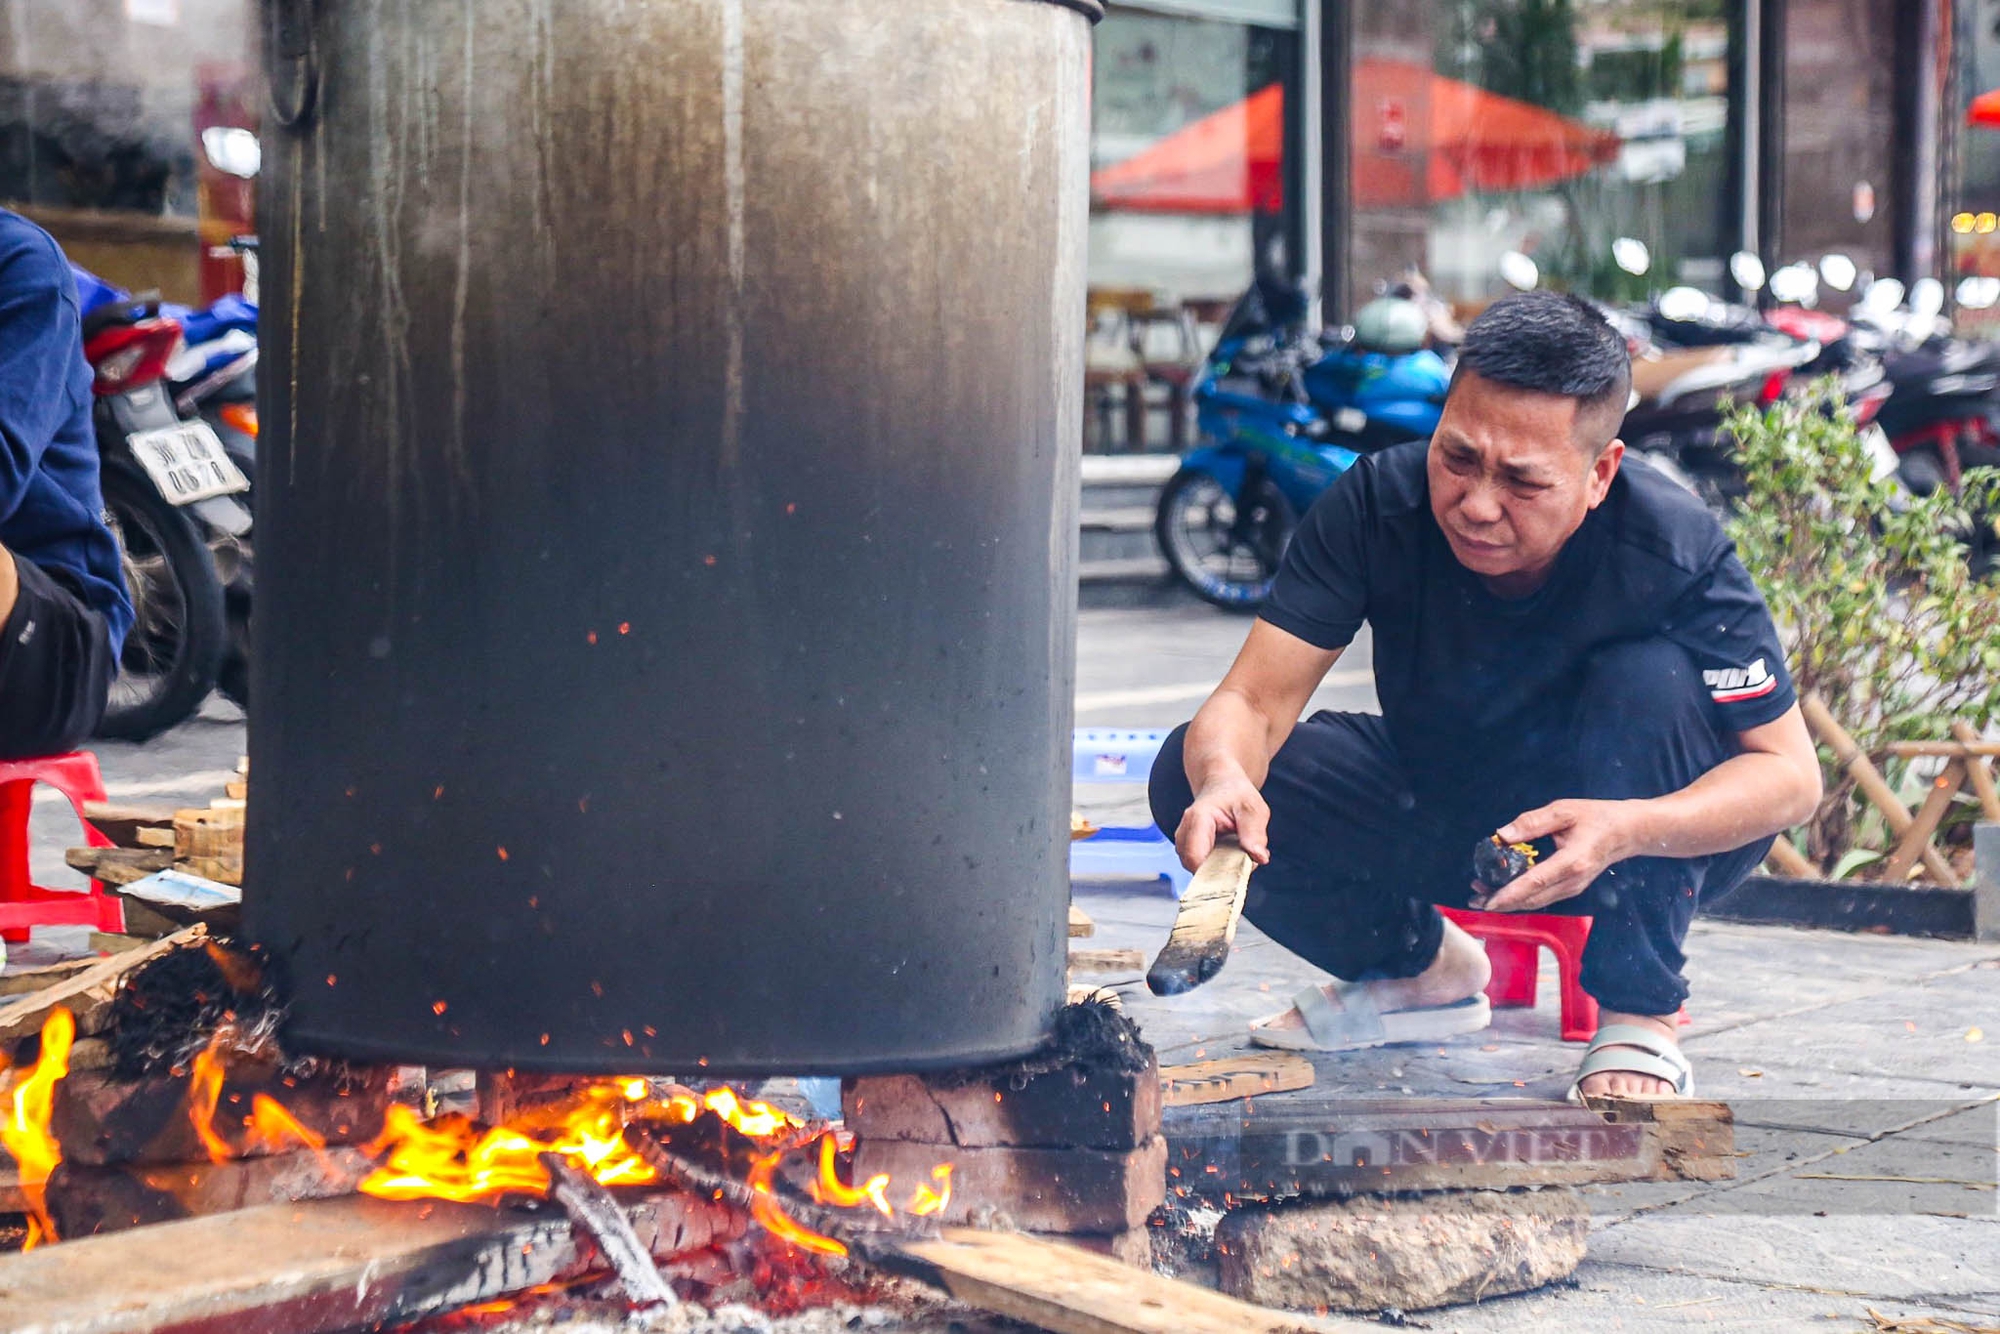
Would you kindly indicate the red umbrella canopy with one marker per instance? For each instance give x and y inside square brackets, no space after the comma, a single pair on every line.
[1985,109]
[1418,137]
[1226,162]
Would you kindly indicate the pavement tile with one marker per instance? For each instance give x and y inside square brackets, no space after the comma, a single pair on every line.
[1975,1125]
[1640,1301]
[1918,1259]
[1930,1028]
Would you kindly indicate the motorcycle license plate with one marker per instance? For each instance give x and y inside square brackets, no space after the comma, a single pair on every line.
[186,461]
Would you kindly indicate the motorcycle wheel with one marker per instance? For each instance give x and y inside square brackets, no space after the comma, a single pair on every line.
[175,646]
[1198,533]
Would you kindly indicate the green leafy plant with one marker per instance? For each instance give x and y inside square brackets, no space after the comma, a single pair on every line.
[1880,612]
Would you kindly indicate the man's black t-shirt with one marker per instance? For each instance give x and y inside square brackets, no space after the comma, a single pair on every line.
[1472,682]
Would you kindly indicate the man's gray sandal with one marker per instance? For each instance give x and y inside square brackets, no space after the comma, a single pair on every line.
[1358,1020]
[1612,1049]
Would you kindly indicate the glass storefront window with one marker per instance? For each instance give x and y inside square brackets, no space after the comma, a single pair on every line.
[1189,153]
[1551,128]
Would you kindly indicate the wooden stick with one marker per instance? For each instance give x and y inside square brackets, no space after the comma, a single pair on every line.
[1788,860]
[591,1208]
[1979,771]
[87,994]
[1969,743]
[1867,777]
[1918,836]
[1206,924]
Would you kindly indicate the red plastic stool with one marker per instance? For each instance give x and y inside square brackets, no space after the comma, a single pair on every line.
[1513,944]
[23,903]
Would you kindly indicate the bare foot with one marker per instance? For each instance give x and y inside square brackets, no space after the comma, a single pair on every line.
[1460,970]
[1626,1083]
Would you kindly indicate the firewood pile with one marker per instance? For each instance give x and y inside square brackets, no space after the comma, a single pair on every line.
[175,1165]
[171,867]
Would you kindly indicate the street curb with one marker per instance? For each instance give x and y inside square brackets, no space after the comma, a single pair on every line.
[1839,905]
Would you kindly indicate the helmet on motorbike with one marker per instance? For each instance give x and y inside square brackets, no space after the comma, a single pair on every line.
[1392,325]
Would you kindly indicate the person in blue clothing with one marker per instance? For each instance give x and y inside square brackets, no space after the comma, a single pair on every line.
[1567,652]
[63,607]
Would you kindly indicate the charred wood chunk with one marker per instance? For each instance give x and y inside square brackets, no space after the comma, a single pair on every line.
[1067,1107]
[1496,864]
[101,1119]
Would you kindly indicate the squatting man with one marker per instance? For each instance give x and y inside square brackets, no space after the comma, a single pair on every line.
[1567,653]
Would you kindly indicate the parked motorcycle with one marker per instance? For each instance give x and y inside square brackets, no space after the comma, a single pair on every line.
[170,493]
[1283,412]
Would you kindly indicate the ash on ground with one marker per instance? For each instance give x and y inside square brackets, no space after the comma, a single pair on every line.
[687,1318]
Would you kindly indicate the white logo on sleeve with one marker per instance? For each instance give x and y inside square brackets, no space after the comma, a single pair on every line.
[1733,685]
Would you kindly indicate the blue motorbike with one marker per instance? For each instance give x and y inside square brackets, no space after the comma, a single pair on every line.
[1283,412]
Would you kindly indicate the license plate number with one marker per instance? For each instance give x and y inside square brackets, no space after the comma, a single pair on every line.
[187,462]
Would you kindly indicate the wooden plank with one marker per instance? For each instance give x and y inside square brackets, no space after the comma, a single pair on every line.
[119,866]
[1917,838]
[121,823]
[1069,1291]
[1106,961]
[34,979]
[1336,1146]
[1980,771]
[320,1266]
[1696,1138]
[1235,1077]
[1205,926]
[1088,995]
[1080,925]
[1867,777]
[1788,860]
[87,994]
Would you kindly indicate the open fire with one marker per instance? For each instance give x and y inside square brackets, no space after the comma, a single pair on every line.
[454,1157]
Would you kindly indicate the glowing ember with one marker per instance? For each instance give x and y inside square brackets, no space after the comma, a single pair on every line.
[25,1131]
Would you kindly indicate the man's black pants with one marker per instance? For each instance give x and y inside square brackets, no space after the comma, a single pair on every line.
[56,666]
[1357,859]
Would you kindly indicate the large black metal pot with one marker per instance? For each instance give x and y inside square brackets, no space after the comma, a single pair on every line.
[667,529]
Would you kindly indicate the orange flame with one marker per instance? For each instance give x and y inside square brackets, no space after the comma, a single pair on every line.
[764,1208]
[925,1201]
[452,1158]
[204,1093]
[25,1132]
[828,1188]
[272,1128]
